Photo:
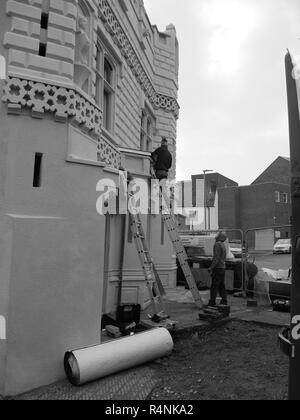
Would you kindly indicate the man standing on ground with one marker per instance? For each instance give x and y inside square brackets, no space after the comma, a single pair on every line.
[218,271]
[162,160]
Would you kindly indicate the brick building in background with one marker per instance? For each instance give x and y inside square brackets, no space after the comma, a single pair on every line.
[263,204]
[279,171]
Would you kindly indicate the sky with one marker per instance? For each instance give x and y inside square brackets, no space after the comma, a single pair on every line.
[232,88]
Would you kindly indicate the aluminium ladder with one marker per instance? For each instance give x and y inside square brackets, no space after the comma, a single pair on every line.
[153,282]
[182,257]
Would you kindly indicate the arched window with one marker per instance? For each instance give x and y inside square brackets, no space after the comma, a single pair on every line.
[147,125]
[83,49]
[84,13]
[108,72]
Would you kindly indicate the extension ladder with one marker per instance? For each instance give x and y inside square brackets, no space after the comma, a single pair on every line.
[182,257]
[153,282]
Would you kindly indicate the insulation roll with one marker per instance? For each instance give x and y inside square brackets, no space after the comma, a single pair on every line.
[93,363]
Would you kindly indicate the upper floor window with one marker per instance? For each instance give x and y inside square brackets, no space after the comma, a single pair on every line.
[285,198]
[281,197]
[83,45]
[147,126]
[108,72]
[105,86]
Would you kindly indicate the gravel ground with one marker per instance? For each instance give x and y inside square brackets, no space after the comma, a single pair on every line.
[238,361]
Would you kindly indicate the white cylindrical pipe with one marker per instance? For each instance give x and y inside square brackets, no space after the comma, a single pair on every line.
[93,363]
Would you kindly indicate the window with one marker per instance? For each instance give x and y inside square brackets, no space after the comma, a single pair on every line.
[284,241]
[98,76]
[44,21]
[37,171]
[147,124]
[105,86]
[83,49]
[108,72]
[285,198]
[281,197]
[42,50]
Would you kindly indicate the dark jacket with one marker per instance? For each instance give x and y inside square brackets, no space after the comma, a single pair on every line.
[220,253]
[162,159]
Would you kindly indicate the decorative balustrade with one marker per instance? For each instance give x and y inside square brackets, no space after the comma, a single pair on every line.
[109,154]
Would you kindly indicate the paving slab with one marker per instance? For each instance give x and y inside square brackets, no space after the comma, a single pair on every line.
[264,316]
[181,307]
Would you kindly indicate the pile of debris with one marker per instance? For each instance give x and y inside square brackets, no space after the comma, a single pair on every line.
[273,287]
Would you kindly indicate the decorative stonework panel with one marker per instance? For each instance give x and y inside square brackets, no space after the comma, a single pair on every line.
[63,103]
[109,154]
[167,103]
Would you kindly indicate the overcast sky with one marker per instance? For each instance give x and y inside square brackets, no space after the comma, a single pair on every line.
[232,94]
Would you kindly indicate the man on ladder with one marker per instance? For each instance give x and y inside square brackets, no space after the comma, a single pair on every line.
[162,160]
[162,163]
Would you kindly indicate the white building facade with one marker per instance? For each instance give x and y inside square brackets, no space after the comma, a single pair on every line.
[90,86]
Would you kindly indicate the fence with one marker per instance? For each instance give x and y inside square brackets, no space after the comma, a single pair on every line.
[249,287]
[264,240]
[238,234]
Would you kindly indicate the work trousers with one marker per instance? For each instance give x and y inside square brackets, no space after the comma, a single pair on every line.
[218,285]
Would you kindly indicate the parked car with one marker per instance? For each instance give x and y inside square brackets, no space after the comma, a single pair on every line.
[283,246]
[236,248]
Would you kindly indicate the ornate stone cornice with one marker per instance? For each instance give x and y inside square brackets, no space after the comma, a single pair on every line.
[120,38]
